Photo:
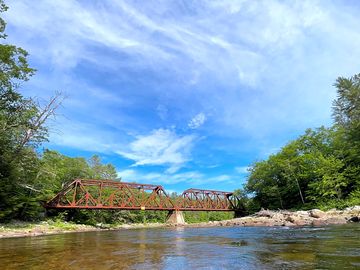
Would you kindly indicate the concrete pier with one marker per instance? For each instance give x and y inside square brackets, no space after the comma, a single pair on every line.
[175,217]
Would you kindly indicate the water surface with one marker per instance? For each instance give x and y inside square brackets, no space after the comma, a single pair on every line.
[332,247]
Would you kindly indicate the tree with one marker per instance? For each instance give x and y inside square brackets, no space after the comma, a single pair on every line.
[13,62]
[346,112]
[319,167]
[22,129]
[101,171]
[330,180]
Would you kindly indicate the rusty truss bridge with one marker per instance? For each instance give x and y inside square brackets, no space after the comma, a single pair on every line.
[113,195]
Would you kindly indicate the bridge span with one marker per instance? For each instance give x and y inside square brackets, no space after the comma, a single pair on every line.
[115,195]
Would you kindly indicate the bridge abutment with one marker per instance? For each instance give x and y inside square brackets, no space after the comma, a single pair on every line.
[175,217]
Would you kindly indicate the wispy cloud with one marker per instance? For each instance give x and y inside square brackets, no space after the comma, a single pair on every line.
[190,178]
[242,169]
[83,136]
[197,121]
[246,75]
[160,147]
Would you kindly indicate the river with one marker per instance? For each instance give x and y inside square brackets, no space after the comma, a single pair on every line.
[332,247]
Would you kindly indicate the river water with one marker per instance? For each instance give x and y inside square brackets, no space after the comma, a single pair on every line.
[332,247]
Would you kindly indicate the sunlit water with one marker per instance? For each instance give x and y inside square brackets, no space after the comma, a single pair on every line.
[333,247]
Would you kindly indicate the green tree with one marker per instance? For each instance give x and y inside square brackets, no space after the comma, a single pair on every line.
[346,112]
[22,129]
[330,181]
[101,171]
[320,167]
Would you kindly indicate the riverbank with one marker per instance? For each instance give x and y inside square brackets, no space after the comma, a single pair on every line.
[312,217]
[24,229]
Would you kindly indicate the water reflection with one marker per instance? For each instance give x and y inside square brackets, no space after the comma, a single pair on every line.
[334,247]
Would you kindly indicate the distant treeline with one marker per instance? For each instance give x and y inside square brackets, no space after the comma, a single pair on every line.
[320,168]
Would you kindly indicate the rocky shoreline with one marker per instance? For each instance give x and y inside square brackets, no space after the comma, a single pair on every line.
[314,217]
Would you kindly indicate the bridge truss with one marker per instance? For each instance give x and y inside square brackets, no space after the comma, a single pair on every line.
[109,194]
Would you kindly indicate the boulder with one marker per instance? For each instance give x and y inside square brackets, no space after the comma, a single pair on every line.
[316,213]
[265,213]
[318,222]
[302,213]
[354,219]
[228,223]
[278,217]
[288,224]
[354,210]
[336,220]
[292,219]
[300,222]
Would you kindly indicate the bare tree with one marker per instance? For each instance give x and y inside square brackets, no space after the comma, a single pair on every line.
[36,130]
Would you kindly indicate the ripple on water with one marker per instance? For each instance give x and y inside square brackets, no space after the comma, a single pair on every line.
[333,247]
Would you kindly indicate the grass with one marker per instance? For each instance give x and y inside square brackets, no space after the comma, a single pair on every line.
[62,225]
[16,227]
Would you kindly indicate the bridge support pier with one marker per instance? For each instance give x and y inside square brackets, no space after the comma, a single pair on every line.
[175,217]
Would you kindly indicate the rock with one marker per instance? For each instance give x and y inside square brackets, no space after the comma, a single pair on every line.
[278,217]
[102,226]
[318,222]
[336,220]
[297,221]
[300,222]
[333,212]
[354,219]
[292,219]
[353,208]
[302,213]
[353,211]
[316,213]
[278,223]
[228,223]
[265,213]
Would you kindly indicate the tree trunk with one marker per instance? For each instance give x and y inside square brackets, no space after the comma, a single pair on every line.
[281,203]
[301,195]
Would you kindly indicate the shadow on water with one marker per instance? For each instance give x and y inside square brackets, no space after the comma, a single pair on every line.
[335,247]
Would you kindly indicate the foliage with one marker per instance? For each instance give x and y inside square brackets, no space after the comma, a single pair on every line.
[202,216]
[321,167]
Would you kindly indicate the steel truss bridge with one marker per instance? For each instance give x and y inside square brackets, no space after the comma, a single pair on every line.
[113,195]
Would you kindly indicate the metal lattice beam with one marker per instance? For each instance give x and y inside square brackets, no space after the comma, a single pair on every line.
[109,194]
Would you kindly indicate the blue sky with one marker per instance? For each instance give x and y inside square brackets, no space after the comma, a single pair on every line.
[185,93]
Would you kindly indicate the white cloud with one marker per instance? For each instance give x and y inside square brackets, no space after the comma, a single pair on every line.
[251,65]
[188,47]
[160,147]
[80,135]
[197,121]
[242,169]
[190,178]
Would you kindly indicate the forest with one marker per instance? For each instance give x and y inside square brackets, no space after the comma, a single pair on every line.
[320,169]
